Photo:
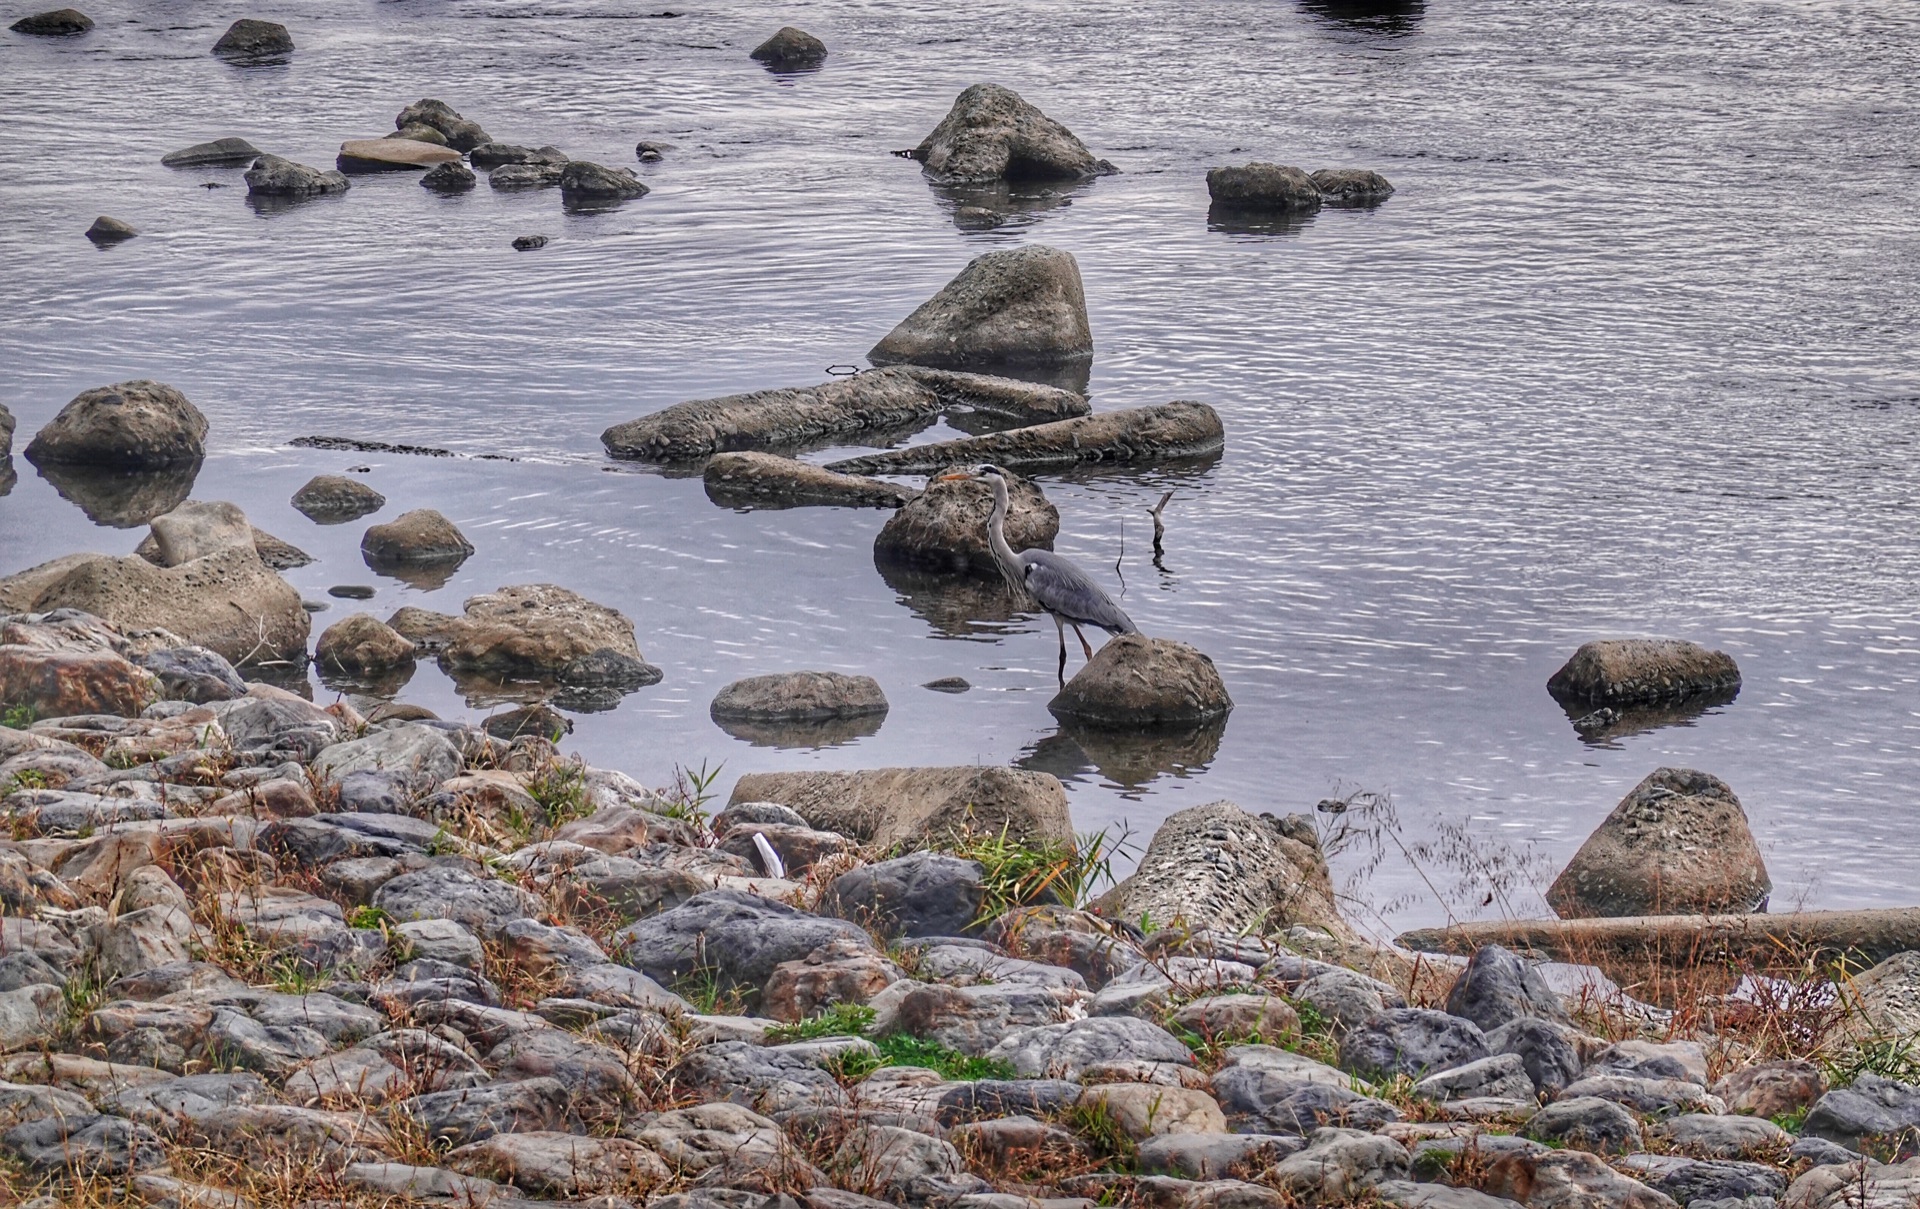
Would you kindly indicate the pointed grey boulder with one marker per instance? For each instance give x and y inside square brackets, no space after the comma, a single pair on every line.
[1024,306]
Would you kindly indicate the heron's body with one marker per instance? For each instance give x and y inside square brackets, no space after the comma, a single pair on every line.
[1059,587]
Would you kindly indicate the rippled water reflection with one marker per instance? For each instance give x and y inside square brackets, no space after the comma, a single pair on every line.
[1630,351]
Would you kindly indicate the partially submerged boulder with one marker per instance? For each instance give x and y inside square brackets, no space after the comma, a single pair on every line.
[332,499]
[272,176]
[450,177]
[392,155]
[945,527]
[881,400]
[1351,187]
[139,424]
[992,134]
[587,184]
[1263,186]
[58,23]
[790,49]
[1678,844]
[249,38]
[889,807]
[360,644]
[109,230]
[765,479]
[220,153]
[460,134]
[1138,434]
[1218,867]
[1626,671]
[537,630]
[1137,681]
[1019,307]
[799,697]
[419,538]
[493,155]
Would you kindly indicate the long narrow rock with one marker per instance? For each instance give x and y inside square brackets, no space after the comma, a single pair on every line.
[1138,434]
[1867,936]
[879,399]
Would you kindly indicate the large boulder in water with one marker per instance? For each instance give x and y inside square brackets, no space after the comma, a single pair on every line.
[583,183]
[1351,187]
[906,807]
[799,697]
[945,527]
[461,135]
[140,424]
[272,176]
[1262,186]
[1019,307]
[1678,844]
[891,399]
[1164,431]
[422,537]
[60,22]
[991,134]
[789,49]
[332,499]
[1218,867]
[1137,681]
[1627,671]
[362,644]
[248,38]
[542,631]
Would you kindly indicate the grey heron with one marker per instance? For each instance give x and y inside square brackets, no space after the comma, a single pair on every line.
[1061,588]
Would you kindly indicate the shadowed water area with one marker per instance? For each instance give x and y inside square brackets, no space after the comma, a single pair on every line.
[1630,351]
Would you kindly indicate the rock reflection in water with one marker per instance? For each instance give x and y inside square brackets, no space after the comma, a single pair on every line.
[121,499]
[827,732]
[1239,220]
[987,207]
[1131,759]
[1384,16]
[380,686]
[425,576]
[956,606]
[1605,726]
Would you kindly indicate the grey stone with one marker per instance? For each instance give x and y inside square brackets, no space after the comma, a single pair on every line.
[738,937]
[220,153]
[1587,1123]
[1502,1076]
[459,133]
[1346,999]
[422,755]
[484,905]
[1410,1041]
[921,894]
[1338,1165]
[1625,671]
[420,538]
[584,183]
[492,155]
[759,1077]
[748,479]
[799,696]
[1550,1052]
[272,176]
[1691,1181]
[1213,1156]
[992,134]
[1404,1195]
[450,177]
[55,23]
[249,38]
[194,673]
[1351,186]
[1498,988]
[1064,1050]
[526,176]
[790,49]
[108,230]
[1648,1097]
[1019,307]
[472,1114]
[332,499]
[1869,1109]
[1272,1101]
[89,1145]
[1677,844]
[1263,186]
[138,424]
[1138,682]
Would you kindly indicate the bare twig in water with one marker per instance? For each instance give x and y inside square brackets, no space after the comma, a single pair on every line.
[1122,557]
[1159,529]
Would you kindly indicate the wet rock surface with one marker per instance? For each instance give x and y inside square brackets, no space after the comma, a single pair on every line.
[55,23]
[765,480]
[392,155]
[271,176]
[139,424]
[1011,308]
[107,230]
[1263,186]
[1137,681]
[230,152]
[993,134]
[790,49]
[799,697]
[944,528]
[1626,671]
[1167,431]
[251,38]
[332,499]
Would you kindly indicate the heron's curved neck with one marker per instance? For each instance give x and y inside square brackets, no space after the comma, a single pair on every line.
[1003,555]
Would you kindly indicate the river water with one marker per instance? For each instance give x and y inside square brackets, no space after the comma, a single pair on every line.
[1631,351]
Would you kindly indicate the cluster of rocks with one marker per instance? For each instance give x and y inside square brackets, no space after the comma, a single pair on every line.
[1277,188]
[410,960]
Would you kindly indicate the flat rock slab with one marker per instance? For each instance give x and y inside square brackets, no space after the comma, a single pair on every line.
[889,806]
[879,400]
[1138,434]
[768,480]
[391,155]
[220,153]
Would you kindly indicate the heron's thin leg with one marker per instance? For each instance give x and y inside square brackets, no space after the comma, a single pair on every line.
[1083,643]
[1062,627]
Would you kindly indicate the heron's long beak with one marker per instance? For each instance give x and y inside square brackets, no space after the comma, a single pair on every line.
[956,477]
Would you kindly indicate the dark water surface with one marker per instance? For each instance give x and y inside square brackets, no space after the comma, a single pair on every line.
[1632,350]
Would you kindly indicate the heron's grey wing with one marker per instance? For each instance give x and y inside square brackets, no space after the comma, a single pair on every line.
[1066,590]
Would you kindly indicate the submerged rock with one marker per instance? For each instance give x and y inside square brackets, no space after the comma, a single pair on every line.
[461,134]
[1351,187]
[493,155]
[529,243]
[59,22]
[1618,671]
[392,155]
[1137,681]
[422,537]
[249,38]
[889,807]
[525,176]
[746,479]
[991,133]
[1262,186]
[799,697]
[1678,844]
[790,49]
[450,177]
[1138,434]
[332,499]
[945,527]
[883,399]
[1023,306]
[583,183]
[272,176]
[138,424]
[106,230]
[1219,867]
[220,153]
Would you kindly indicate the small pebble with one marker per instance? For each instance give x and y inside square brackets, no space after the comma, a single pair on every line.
[351,592]
[948,684]
[527,243]
[315,606]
